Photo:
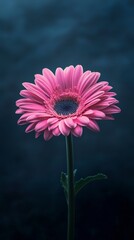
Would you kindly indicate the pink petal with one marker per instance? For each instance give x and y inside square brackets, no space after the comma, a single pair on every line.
[30,127]
[112,110]
[97,114]
[92,103]
[53,126]
[63,128]
[101,105]
[112,100]
[22,119]
[109,117]
[107,88]
[93,89]
[88,112]
[52,120]
[30,95]
[24,116]
[37,116]
[77,131]
[93,125]
[42,84]
[83,78]
[37,134]
[97,94]
[34,89]
[32,107]
[25,93]
[47,135]
[19,111]
[41,126]
[44,80]
[111,94]
[56,131]
[24,101]
[89,81]
[50,76]
[78,71]
[60,77]
[82,121]
[21,122]
[70,123]
[68,73]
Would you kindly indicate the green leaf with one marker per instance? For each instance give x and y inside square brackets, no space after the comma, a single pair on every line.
[74,172]
[84,181]
[63,181]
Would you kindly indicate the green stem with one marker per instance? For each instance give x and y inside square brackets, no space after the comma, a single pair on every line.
[71,203]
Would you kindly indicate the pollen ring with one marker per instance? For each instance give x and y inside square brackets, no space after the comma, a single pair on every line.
[65,106]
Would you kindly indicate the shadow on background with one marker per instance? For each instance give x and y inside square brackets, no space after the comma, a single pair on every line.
[37,34]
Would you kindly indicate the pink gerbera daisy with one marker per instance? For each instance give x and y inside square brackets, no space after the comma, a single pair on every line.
[65,102]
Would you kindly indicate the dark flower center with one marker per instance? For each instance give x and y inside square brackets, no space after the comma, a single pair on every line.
[66,106]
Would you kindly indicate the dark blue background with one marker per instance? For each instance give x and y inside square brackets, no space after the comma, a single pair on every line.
[49,33]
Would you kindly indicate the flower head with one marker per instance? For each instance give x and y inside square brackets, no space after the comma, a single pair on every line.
[65,102]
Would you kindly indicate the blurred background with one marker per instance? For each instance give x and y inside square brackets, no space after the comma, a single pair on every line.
[52,33]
